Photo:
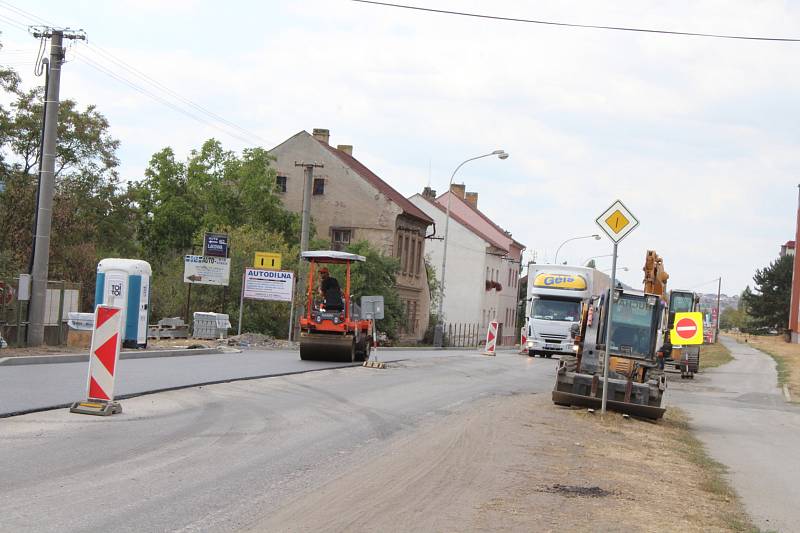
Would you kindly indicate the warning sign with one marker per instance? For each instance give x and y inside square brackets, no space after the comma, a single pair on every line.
[617,221]
[687,329]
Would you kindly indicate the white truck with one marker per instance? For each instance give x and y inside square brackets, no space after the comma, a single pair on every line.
[555,295]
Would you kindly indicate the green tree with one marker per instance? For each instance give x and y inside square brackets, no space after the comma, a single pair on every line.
[91,214]
[768,303]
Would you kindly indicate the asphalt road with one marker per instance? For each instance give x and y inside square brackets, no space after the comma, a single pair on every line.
[741,416]
[222,457]
[30,387]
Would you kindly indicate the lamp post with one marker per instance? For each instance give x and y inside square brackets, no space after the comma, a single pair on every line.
[438,331]
[595,237]
[623,269]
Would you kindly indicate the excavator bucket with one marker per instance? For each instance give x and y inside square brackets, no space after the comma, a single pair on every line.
[327,347]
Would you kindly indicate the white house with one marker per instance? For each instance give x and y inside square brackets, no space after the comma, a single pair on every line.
[483,262]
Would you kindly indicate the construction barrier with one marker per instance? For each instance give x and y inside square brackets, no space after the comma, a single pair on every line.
[372,360]
[103,358]
[491,339]
[523,340]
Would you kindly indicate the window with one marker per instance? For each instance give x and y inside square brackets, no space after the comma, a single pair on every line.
[280,183]
[407,249]
[319,186]
[340,238]
[399,247]
[412,269]
[418,260]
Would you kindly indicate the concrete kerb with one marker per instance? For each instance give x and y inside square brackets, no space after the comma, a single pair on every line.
[84,357]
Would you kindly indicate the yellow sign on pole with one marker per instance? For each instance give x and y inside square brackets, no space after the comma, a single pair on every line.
[617,221]
[267,261]
[687,329]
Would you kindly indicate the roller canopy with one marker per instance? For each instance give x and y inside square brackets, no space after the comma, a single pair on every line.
[331,256]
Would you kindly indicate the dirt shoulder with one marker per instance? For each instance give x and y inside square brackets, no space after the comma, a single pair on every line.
[518,463]
[786,355]
[713,355]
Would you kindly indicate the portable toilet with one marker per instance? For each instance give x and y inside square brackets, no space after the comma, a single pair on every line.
[125,283]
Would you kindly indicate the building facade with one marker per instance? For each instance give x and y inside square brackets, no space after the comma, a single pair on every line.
[483,262]
[350,203]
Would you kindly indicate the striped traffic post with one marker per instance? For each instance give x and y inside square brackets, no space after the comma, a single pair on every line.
[523,340]
[491,339]
[103,359]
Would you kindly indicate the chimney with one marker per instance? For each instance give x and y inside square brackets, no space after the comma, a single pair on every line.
[429,193]
[346,148]
[472,199]
[322,135]
[458,189]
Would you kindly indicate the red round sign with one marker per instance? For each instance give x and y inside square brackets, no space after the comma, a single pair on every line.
[686,328]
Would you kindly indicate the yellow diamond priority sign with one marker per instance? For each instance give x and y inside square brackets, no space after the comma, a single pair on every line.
[617,221]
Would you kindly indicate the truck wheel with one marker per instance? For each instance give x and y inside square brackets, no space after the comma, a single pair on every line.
[531,353]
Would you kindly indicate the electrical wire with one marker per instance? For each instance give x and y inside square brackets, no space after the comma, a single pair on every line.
[108,56]
[571,25]
[102,55]
[104,70]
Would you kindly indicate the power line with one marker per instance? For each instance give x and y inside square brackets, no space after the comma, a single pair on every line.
[570,25]
[104,70]
[102,55]
[108,56]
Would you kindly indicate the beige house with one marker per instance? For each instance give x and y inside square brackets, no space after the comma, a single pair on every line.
[350,203]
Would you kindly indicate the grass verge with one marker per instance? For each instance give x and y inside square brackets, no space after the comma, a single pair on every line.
[713,355]
[713,480]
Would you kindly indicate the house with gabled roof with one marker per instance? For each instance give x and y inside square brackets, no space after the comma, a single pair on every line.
[483,262]
[350,203]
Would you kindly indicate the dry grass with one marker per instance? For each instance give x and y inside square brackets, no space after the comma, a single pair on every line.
[786,355]
[713,355]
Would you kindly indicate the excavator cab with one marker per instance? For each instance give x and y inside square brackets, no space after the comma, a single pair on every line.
[634,385]
[684,358]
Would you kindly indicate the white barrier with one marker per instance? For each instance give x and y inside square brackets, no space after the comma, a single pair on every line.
[103,359]
[491,339]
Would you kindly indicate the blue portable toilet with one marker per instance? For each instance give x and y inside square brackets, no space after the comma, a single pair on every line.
[125,283]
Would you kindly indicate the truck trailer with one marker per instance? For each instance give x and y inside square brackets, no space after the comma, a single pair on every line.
[555,296]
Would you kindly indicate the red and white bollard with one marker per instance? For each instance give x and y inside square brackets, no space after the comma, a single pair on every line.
[103,359]
[491,339]
[523,340]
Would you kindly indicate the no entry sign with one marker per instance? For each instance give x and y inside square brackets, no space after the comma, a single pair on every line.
[687,329]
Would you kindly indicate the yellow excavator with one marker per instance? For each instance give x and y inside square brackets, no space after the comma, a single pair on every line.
[636,384]
[683,358]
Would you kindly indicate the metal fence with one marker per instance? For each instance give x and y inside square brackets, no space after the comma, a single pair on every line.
[61,298]
[461,335]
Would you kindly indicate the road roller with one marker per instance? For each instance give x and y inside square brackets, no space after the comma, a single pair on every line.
[331,328]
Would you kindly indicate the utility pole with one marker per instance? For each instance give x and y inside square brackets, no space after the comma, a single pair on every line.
[304,229]
[794,305]
[716,322]
[44,215]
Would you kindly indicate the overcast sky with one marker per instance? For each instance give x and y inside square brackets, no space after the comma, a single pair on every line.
[697,136]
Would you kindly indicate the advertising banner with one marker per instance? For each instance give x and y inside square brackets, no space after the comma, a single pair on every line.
[271,285]
[215,245]
[206,270]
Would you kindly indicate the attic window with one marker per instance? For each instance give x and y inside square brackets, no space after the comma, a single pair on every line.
[319,186]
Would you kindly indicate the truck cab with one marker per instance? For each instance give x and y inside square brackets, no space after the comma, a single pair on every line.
[555,296]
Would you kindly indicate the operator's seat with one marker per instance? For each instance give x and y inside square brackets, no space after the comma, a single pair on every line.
[333,300]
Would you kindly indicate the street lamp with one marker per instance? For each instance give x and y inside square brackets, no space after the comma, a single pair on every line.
[595,237]
[624,269]
[438,331]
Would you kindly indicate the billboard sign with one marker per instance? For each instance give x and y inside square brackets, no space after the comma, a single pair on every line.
[205,270]
[215,245]
[270,285]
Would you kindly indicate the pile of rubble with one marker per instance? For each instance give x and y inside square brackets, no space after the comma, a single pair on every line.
[258,340]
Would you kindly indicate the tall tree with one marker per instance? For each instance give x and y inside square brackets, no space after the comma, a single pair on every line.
[768,303]
[90,211]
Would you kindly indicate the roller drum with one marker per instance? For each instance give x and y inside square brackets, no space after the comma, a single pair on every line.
[325,347]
